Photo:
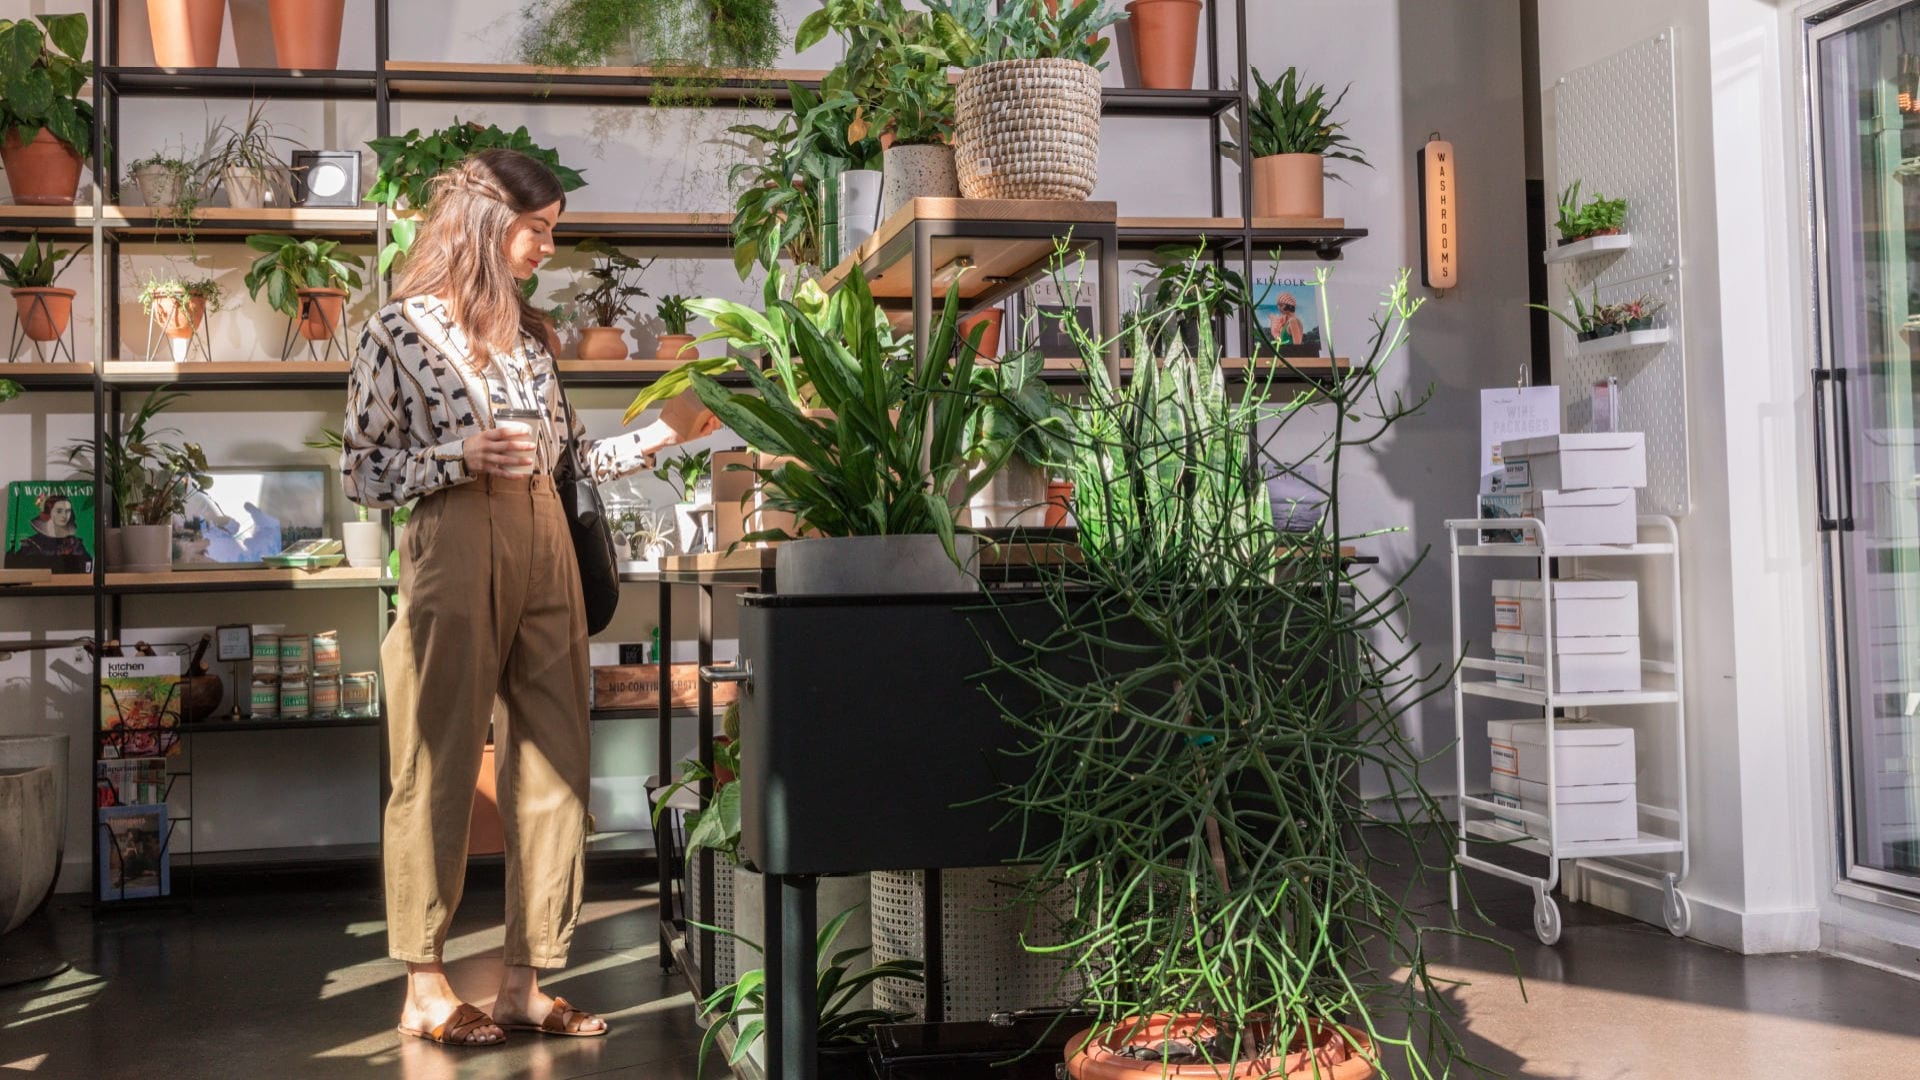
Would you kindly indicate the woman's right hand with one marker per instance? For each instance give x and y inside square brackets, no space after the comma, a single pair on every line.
[497,450]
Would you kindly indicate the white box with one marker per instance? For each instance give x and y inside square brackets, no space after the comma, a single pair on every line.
[1580,608]
[1586,811]
[1585,752]
[1597,516]
[1582,665]
[1608,459]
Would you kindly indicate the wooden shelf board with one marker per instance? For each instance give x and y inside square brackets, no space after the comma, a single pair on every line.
[746,558]
[335,577]
[890,271]
[28,373]
[263,374]
[28,581]
[1231,224]
[432,78]
[51,219]
[618,367]
[226,220]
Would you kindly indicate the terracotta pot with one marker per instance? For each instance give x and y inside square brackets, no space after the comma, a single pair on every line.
[178,321]
[675,347]
[603,343]
[484,834]
[186,33]
[44,312]
[1091,1059]
[322,312]
[42,171]
[1059,503]
[1289,185]
[989,344]
[1164,36]
[306,33]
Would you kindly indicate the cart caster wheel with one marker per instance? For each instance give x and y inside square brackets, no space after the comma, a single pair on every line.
[1546,919]
[1678,912]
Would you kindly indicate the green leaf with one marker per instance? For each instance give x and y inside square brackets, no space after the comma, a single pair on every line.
[69,34]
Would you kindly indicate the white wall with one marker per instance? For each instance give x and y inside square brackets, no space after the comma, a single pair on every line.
[1415,67]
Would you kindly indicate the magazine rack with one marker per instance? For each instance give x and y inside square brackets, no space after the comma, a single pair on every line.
[127,744]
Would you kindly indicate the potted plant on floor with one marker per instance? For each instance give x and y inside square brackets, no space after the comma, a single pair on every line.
[149,477]
[609,301]
[178,306]
[684,473]
[46,123]
[44,308]
[1290,132]
[895,70]
[676,343]
[306,33]
[811,194]
[1231,916]
[408,163]
[1027,109]
[1598,216]
[306,280]
[186,33]
[246,161]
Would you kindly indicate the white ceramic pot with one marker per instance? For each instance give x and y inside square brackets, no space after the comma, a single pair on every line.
[1016,496]
[859,193]
[867,565]
[249,189]
[916,172]
[691,520]
[140,549]
[158,185]
[364,542]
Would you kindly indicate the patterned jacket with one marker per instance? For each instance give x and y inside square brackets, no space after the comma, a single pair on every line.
[411,405]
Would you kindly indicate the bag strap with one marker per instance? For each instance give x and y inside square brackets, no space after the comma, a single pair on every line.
[570,445]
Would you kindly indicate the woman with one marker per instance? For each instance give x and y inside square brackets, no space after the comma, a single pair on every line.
[55,541]
[490,590]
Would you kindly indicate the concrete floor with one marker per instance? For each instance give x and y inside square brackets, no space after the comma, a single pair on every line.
[279,982]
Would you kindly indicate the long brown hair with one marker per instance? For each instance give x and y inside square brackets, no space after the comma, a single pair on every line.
[460,252]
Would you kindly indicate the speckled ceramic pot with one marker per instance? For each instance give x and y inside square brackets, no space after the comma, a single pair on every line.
[922,170]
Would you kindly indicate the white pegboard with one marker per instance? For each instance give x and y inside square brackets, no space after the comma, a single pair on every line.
[987,969]
[1617,132]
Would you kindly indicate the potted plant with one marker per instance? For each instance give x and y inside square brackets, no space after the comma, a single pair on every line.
[811,194]
[845,1031]
[178,306]
[1014,440]
[1290,131]
[186,33]
[306,280]
[306,33]
[165,180]
[246,160]
[609,301]
[895,70]
[408,163]
[45,309]
[46,124]
[684,473]
[363,536]
[1027,109]
[8,390]
[1598,216]
[643,535]
[149,477]
[676,343]
[686,42]
[988,344]
[1165,33]
[1585,322]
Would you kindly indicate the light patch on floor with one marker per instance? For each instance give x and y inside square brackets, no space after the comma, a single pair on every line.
[31,1064]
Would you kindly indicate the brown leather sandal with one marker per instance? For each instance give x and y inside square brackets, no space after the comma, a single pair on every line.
[453,1031]
[564,1019]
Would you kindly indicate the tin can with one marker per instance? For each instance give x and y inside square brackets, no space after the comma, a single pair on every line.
[296,652]
[326,650]
[296,699]
[360,694]
[263,703]
[266,652]
[326,696]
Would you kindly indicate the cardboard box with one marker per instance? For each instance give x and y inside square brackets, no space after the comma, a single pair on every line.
[1608,459]
[1585,752]
[637,686]
[1580,608]
[1582,665]
[1586,811]
[1598,516]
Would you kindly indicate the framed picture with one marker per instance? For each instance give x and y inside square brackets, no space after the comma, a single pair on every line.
[233,644]
[134,859]
[247,514]
[50,526]
[1286,314]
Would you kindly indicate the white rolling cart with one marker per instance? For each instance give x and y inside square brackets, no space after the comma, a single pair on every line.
[1664,683]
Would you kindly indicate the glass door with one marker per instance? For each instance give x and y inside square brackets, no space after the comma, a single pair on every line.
[1865,82]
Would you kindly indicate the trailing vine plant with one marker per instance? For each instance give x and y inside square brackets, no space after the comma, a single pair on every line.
[1197,724]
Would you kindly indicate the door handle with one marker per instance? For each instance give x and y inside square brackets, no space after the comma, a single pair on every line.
[740,671]
[1826,521]
[1843,438]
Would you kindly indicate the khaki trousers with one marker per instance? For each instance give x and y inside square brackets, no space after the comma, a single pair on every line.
[490,605]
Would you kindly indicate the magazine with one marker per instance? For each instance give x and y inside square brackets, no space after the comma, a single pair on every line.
[134,858]
[140,705]
[130,781]
[50,526]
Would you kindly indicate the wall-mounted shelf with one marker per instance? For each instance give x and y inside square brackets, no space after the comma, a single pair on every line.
[224,221]
[236,375]
[1591,247]
[1636,339]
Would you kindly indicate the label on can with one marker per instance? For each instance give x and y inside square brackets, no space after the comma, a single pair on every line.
[296,698]
[266,649]
[326,650]
[326,696]
[264,702]
[359,693]
[296,648]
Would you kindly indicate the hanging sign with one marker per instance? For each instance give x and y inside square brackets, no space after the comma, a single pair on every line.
[1439,219]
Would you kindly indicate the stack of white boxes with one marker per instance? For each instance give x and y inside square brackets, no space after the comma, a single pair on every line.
[1593,774]
[1596,634]
[1581,486]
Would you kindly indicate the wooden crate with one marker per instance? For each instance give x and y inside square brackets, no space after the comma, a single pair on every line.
[637,686]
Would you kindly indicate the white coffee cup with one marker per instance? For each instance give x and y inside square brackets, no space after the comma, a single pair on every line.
[520,422]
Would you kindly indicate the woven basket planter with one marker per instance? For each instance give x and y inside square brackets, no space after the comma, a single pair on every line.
[1028,129]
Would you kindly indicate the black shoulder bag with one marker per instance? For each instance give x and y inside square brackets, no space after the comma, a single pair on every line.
[587,521]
